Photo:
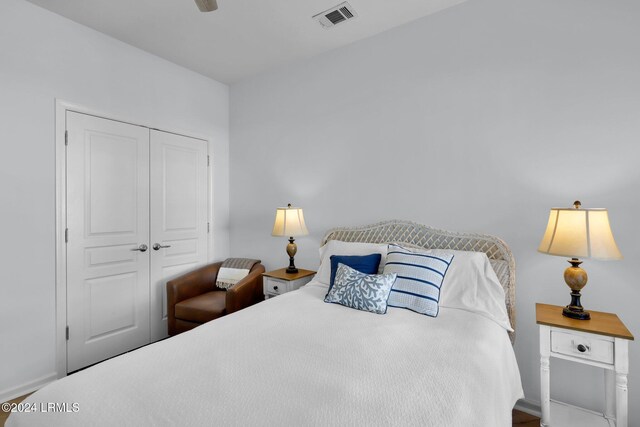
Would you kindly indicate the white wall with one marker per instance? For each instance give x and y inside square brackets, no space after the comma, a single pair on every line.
[479,118]
[42,57]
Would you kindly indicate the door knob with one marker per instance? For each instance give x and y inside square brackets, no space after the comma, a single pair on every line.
[158,246]
[141,248]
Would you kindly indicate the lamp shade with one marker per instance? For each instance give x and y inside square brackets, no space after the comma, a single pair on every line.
[579,233]
[289,222]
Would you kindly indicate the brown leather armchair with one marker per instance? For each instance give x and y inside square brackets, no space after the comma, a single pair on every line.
[194,299]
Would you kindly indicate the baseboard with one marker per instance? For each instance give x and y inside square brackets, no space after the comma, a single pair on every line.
[528,406]
[31,386]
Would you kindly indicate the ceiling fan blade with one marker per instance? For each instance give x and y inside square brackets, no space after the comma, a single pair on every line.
[207,5]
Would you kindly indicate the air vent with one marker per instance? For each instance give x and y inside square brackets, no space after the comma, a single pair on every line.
[336,15]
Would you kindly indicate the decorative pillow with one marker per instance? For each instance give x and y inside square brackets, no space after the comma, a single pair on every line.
[420,276]
[367,292]
[233,270]
[338,247]
[367,264]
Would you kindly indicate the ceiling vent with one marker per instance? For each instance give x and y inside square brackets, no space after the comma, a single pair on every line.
[336,15]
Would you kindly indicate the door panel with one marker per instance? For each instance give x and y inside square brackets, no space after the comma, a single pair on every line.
[113,168]
[111,304]
[178,215]
[107,218]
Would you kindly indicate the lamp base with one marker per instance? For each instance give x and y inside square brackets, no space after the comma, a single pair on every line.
[292,248]
[576,278]
[576,313]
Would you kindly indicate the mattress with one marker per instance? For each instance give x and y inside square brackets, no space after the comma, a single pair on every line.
[296,360]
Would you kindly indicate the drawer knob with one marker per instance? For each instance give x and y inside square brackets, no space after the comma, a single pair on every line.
[275,288]
[582,348]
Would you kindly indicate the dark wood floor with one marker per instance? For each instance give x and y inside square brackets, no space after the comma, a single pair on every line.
[4,415]
[520,419]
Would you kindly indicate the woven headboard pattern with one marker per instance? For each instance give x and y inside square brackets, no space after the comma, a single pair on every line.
[419,235]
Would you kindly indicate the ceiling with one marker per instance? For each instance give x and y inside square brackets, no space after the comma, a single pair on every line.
[243,37]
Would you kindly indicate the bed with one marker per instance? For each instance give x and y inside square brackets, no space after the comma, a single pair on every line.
[296,360]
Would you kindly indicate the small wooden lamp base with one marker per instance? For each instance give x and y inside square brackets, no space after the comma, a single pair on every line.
[576,313]
[292,248]
[576,278]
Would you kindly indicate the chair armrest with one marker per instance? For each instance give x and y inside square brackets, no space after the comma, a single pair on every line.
[247,291]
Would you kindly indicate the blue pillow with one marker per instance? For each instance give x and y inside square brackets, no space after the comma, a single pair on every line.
[366,292]
[420,276]
[367,264]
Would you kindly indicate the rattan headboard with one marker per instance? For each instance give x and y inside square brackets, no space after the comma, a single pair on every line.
[430,238]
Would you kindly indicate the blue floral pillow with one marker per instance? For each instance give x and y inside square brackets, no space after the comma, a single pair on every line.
[367,292]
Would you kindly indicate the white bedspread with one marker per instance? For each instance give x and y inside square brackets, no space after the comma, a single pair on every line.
[294,360]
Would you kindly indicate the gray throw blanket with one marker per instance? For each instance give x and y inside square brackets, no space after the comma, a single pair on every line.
[233,270]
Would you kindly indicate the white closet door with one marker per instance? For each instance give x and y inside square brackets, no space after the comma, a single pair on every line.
[178,215]
[108,225]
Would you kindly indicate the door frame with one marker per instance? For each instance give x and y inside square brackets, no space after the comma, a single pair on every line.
[61,108]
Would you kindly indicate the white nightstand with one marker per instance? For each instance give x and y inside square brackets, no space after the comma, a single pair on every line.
[278,282]
[602,341]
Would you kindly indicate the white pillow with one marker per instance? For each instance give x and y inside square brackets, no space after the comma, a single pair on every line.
[338,247]
[471,284]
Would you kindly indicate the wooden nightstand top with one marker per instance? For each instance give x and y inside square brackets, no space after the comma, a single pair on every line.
[600,323]
[283,275]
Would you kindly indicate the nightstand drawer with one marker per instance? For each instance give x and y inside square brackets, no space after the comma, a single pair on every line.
[584,347]
[275,286]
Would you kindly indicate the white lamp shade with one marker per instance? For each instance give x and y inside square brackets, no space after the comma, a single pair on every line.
[579,233]
[289,222]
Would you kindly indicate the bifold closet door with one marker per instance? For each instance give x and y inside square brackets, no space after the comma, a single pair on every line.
[108,238]
[178,215]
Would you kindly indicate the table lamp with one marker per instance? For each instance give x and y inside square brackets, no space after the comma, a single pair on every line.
[290,222]
[578,233]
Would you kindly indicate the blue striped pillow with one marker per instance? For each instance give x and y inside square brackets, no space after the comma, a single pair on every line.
[420,276]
